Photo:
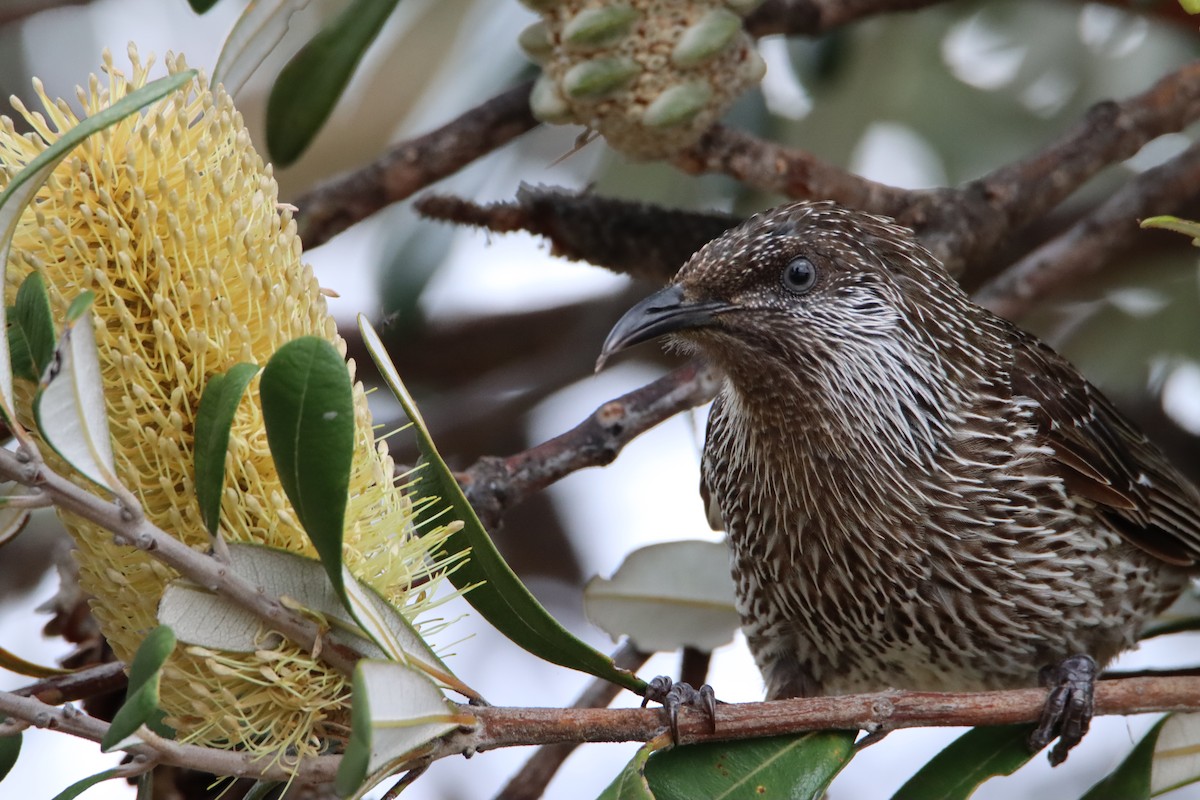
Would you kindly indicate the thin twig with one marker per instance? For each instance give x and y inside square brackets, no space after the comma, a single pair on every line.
[130,528]
[494,484]
[1096,239]
[70,720]
[410,166]
[531,780]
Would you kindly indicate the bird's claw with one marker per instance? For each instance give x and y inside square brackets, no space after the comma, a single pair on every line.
[1069,706]
[675,695]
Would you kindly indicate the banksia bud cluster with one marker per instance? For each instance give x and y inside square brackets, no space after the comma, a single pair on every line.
[171,218]
[650,75]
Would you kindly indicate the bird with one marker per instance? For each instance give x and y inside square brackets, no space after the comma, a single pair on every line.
[917,493]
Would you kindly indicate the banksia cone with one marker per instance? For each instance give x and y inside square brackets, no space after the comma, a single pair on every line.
[650,75]
[172,220]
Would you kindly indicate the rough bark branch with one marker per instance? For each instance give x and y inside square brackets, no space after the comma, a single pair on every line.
[131,528]
[506,727]
[410,166]
[494,484]
[1095,240]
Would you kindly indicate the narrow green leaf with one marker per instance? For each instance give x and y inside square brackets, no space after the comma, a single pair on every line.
[26,183]
[352,772]
[258,31]
[31,330]
[498,595]
[145,786]
[214,420]
[200,6]
[968,761]
[309,86]
[1130,780]
[14,663]
[308,409]
[261,790]
[79,787]
[1184,226]
[141,697]
[69,408]
[80,305]
[10,750]
[796,767]
[630,783]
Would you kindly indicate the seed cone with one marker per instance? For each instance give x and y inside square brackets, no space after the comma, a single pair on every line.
[650,75]
[172,220]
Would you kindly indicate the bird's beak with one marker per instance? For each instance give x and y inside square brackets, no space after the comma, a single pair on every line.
[665,311]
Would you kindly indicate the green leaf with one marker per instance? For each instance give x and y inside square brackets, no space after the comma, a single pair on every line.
[31,331]
[308,410]
[10,749]
[214,419]
[498,595]
[968,761]
[797,767]
[309,86]
[69,407]
[630,783]
[200,6]
[141,697]
[79,787]
[1130,780]
[1184,226]
[1190,6]
[12,517]
[26,183]
[14,663]
[394,711]
[261,790]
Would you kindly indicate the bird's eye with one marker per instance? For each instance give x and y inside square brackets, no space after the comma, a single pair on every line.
[799,275]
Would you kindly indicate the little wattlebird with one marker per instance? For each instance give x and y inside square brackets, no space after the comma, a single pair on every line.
[917,494]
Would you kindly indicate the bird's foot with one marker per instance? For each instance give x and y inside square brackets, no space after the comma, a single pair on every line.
[673,696]
[1069,706]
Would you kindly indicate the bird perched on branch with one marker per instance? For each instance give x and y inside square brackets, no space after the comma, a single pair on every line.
[917,494]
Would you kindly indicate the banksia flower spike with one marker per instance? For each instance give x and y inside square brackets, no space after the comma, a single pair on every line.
[650,75]
[172,220]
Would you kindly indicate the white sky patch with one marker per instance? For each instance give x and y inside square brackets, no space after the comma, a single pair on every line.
[785,95]
[981,56]
[897,155]
[1181,396]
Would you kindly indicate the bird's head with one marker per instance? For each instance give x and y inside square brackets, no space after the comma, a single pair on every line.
[807,288]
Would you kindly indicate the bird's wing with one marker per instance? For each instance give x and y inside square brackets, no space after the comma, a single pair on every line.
[1103,457]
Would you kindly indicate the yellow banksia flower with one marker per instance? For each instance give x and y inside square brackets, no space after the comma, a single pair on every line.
[172,219]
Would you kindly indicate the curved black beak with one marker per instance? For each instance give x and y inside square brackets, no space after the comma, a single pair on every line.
[665,311]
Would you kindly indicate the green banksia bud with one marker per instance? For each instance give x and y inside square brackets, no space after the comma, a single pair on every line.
[678,105]
[535,41]
[594,27]
[713,33]
[547,104]
[599,76]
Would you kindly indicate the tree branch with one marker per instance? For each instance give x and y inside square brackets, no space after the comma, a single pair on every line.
[1096,239]
[494,484]
[410,166]
[156,750]
[130,528]
[507,727]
